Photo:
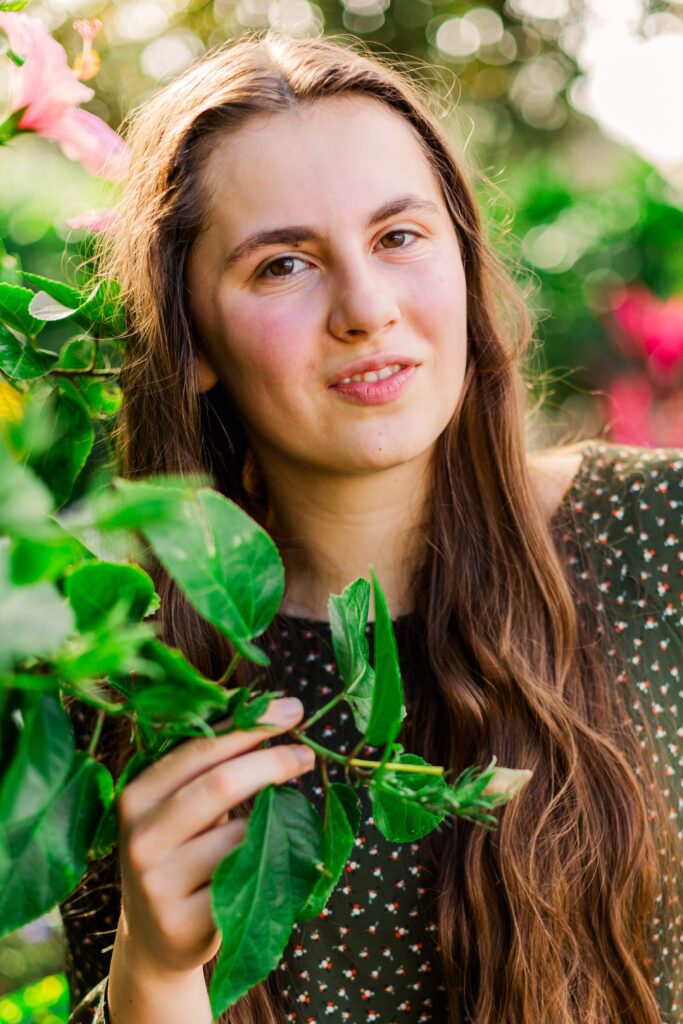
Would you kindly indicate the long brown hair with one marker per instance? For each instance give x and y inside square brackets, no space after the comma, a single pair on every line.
[546,918]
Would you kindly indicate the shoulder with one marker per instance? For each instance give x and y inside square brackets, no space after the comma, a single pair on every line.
[552,472]
[623,482]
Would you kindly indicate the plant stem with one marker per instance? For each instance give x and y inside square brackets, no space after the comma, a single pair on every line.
[320,712]
[94,740]
[355,762]
[230,669]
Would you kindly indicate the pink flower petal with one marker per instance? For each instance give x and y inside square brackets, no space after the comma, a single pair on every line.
[629,411]
[89,140]
[45,83]
[96,220]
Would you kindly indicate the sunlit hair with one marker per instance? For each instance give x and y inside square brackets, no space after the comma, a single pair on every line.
[547,919]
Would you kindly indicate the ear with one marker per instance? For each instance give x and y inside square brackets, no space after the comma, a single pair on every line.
[206,374]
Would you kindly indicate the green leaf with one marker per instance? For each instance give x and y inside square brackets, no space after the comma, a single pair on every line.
[61,463]
[25,502]
[95,589]
[259,889]
[164,703]
[107,832]
[388,707]
[43,752]
[402,820]
[180,693]
[10,266]
[13,5]
[9,128]
[113,649]
[102,397]
[14,309]
[77,353]
[20,360]
[28,681]
[246,715]
[348,619]
[340,828]
[34,620]
[33,432]
[43,858]
[134,505]
[226,565]
[99,308]
[45,559]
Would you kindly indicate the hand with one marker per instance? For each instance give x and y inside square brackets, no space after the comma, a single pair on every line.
[174,830]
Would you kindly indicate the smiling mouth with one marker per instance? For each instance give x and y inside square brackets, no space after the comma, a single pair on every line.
[373,375]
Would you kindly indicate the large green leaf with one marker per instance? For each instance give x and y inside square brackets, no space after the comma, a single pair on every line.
[14,309]
[388,707]
[99,307]
[111,649]
[61,463]
[134,505]
[340,828]
[25,502]
[43,752]
[179,693]
[47,559]
[20,360]
[34,620]
[259,889]
[43,858]
[402,820]
[226,565]
[102,397]
[348,613]
[77,353]
[95,589]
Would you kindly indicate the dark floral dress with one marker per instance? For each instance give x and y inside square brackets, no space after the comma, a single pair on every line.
[372,955]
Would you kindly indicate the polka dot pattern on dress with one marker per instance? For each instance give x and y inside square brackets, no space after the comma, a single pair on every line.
[372,955]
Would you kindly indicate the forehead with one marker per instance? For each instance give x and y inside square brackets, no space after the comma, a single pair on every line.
[329,159]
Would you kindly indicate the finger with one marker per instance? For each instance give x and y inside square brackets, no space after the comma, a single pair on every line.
[193,757]
[193,864]
[194,807]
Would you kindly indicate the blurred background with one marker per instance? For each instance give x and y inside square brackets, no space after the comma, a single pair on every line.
[567,113]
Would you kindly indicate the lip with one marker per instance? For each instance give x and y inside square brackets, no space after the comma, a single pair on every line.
[366,392]
[373,363]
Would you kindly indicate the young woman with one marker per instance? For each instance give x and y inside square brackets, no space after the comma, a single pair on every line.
[316,318]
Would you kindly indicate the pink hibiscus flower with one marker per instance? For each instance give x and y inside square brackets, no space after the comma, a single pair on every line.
[50,94]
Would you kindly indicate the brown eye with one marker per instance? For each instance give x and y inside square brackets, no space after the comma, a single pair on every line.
[396,235]
[273,267]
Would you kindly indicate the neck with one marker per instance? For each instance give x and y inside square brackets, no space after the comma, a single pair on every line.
[330,529]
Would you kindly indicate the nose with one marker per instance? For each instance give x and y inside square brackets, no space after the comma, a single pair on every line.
[363,306]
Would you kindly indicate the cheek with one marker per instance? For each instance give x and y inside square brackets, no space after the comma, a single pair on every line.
[265,344]
[438,301]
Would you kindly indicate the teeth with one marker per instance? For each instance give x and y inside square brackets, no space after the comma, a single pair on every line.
[373,375]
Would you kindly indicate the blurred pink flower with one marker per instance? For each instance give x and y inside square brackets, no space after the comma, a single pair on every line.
[51,94]
[642,412]
[629,408]
[650,327]
[96,220]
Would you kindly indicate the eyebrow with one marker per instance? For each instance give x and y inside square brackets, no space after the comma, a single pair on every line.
[297,233]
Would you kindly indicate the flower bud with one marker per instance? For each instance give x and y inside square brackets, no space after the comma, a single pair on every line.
[506,783]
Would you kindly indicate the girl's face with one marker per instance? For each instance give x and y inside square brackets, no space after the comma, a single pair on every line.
[327,242]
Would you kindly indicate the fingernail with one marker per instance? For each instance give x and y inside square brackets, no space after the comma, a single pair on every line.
[289,707]
[305,755]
